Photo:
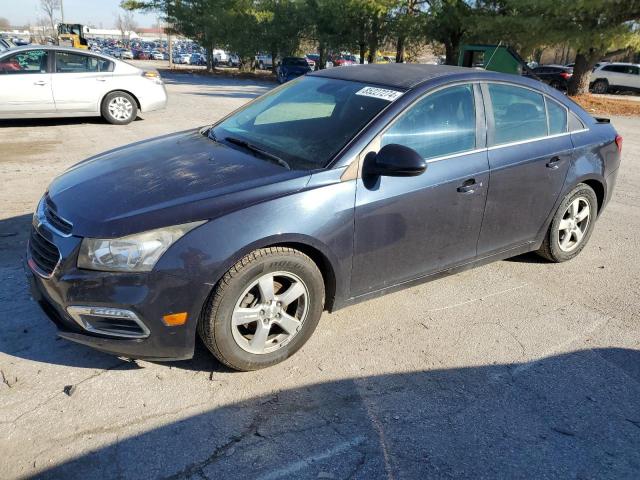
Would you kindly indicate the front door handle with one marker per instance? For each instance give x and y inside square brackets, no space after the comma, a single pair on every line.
[40,82]
[469,186]
[101,79]
[554,163]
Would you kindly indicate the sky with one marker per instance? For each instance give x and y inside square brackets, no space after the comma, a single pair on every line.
[100,13]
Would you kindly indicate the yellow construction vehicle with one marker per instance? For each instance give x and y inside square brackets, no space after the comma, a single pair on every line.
[72,35]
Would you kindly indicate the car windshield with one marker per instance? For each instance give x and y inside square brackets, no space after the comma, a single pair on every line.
[306,122]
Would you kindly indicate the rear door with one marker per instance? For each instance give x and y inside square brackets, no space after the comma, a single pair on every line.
[80,81]
[25,84]
[529,155]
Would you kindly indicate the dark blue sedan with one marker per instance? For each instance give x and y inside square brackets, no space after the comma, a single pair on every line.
[339,186]
[291,68]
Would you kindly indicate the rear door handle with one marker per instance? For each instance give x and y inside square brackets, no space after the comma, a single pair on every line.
[554,163]
[101,79]
[469,186]
[40,82]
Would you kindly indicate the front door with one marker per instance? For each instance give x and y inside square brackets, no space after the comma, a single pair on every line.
[407,227]
[80,81]
[529,154]
[25,84]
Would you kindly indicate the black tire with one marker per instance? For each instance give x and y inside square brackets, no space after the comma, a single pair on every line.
[551,249]
[600,86]
[127,100]
[215,326]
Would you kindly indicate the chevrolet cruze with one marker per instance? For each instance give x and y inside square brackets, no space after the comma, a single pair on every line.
[334,188]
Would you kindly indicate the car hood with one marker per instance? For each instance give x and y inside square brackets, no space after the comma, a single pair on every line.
[164,181]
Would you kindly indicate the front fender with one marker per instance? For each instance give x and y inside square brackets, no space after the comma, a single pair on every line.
[319,217]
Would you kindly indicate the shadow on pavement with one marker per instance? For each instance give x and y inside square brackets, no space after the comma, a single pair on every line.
[575,415]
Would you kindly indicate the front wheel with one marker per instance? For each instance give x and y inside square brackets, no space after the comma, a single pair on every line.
[264,309]
[119,108]
[571,226]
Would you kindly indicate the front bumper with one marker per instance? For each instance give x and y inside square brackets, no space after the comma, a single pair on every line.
[150,295]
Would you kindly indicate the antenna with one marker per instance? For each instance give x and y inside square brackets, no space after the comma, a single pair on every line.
[486,65]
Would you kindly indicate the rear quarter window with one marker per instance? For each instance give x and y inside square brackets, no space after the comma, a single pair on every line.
[557,117]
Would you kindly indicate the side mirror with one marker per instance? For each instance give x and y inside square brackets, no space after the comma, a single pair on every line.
[394,160]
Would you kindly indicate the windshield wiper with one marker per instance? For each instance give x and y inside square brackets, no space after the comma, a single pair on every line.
[258,150]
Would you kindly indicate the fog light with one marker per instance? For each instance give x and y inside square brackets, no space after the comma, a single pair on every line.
[175,319]
[116,322]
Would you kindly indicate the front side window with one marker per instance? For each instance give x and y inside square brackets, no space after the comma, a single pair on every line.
[307,121]
[557,117]
[519,114]
[442,123]
[73,63]
[32,61]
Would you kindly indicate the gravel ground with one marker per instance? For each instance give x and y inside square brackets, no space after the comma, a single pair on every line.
[518,369]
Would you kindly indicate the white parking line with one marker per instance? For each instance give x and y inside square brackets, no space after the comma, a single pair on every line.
[299,465]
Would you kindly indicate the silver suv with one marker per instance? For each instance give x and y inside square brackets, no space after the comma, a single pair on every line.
[615,76]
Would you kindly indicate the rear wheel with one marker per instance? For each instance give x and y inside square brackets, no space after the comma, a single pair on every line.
[600,86]
[571,226]
[119,108]
[264,309]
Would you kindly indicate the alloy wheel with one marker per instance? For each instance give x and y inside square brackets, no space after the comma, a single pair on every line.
[574,224]
[270,312]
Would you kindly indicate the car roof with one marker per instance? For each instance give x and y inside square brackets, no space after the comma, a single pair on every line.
[404,75]
[624,64]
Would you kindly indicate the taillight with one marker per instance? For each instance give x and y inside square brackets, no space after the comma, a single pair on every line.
[565,75]
[619,143]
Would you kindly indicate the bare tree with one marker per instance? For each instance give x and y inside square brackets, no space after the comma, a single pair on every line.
[50,9]
[126,24]
[4,24]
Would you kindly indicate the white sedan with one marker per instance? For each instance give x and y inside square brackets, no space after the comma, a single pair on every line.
[47,81]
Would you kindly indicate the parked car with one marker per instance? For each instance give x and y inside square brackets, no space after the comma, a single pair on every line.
[557,76]
[126,55]
[220,56]
[264,61]
[616,77]
[197,59]
[43,81]
[311,62]
[340,186]
[233,60]
[343,60]
[6,44]
[292,67]
[157,55]
[141,55]
[185,58]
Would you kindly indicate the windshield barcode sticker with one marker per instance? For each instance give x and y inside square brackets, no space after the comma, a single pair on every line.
[381,93]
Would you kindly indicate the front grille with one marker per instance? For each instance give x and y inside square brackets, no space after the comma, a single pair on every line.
[44,254]
[56,221]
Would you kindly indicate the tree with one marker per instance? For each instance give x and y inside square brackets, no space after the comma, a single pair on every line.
[448,21]
[126,24]
[594,28]
[4,24]
[405,25]
[50,8]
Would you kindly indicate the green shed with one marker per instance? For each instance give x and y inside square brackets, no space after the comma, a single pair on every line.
[498,58]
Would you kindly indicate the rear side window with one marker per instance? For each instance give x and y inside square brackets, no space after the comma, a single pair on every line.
[67,62]
[557,117]
[519,114]
[31,61]
[442,123]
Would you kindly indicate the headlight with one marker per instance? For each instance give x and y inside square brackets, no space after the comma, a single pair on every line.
[133,253]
